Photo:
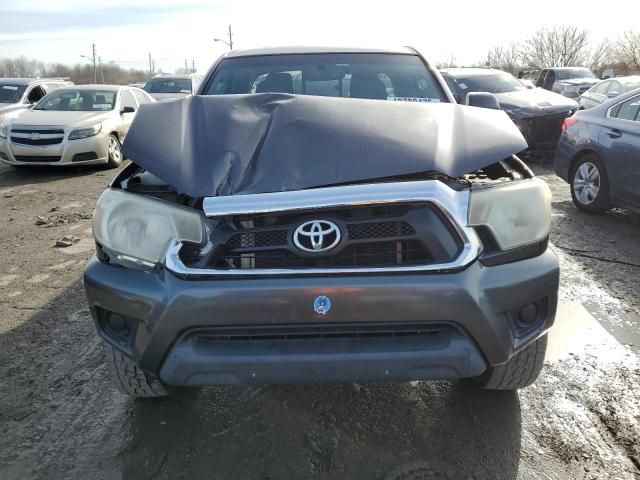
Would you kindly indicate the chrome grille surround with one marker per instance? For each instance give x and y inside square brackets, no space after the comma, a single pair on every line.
[453,205]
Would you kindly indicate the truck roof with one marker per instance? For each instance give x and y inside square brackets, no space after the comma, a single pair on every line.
[303,49]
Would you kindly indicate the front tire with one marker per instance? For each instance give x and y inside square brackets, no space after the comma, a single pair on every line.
[590,185]
[519,372]
[114,152]
[129,379]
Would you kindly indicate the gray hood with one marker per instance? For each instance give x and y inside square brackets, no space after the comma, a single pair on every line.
[240,144]
[161,97]
[535,102]
[579,81]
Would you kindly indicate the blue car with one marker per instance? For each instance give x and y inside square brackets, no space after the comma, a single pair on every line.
[598,154]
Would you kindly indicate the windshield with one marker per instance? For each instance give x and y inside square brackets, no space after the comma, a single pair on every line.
[566,73]
[168,85]
[492,83]
[355,75]
[78,100]
[11,93]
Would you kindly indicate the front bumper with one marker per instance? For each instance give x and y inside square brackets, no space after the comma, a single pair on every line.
[85,151]
[471,309]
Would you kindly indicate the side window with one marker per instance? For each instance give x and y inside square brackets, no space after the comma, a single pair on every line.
[35,94]
[141,97]
[127,99]
[615,88]
[629,110]
[601,88]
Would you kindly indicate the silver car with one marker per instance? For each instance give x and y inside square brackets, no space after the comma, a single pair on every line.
[169,87]
[72,125]
[608,89]
[17,94]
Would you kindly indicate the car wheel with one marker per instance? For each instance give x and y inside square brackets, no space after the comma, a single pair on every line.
[114,153]
[590,185]
[519,372]
[129,379]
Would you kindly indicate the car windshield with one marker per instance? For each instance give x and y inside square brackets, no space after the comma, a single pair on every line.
[168,85]
[11,93]
[356,75]
[492,83]
[566,73]
[78,100]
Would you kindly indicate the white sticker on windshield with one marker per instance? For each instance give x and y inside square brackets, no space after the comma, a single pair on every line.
[101,106]
[415,99]
[463,86]
[9,87]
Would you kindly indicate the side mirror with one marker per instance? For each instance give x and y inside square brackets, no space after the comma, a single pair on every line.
[127,110]
[483,100]
[613,94]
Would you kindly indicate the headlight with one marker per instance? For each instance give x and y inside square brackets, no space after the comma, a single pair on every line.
[85,132]
[3,130]
[139,229]
[517,214]
[571,89]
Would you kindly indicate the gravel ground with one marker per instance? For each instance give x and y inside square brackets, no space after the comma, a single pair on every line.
[60,418]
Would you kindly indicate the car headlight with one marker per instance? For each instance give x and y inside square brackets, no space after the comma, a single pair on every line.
[517,214]
[139,229]
[85,132]
[3,130]
[572,89]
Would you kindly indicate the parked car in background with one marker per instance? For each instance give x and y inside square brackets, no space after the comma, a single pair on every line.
[537,113]
[322,215]
[608,89]
[568,81]
[168,87]
[72,125]
[599,155]
[18,94]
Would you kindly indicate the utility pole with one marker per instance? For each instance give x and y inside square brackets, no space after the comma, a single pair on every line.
[229,43]
[186,66]
[93,59]
[150,66]
[193,66]
[101,70]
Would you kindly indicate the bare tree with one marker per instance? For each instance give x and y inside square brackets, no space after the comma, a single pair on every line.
[601,56]
[559,46]
[627,51]
[507,58]
[451,63]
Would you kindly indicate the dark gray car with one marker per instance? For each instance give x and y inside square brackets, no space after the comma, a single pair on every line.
[607,90]
[599,155]
[347,222]
[538,113]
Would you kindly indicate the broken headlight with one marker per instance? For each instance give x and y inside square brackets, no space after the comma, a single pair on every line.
[139,229]
[517,214]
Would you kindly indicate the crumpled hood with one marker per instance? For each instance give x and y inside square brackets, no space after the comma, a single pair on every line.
[535,102]
[579,81]
[240,144]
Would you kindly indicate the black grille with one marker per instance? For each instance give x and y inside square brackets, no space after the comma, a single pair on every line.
[38,142]
[324,331]
[378,254]
[359,231]
[84,156]
[545,131]
[35,130]
[27,158]
[267,238]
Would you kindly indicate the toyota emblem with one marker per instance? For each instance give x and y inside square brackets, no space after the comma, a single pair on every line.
[316,236]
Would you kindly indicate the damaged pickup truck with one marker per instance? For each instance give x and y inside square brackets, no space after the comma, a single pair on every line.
[268,232]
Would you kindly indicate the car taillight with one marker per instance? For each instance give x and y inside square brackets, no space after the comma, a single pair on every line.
[568,122]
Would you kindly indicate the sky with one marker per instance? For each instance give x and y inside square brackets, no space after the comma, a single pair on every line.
[126,31]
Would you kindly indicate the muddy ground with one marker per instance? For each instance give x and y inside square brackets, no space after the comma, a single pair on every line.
[61,419]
